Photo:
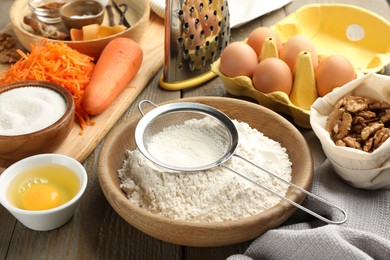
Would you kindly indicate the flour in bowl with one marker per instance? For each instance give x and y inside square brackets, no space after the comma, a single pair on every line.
[212,195]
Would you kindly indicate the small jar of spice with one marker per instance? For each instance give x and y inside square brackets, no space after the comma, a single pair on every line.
[47,11]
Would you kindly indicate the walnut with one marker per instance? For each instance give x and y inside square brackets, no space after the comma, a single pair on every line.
[359,120]
[339,123]
[7,49]
[381,136]
[6,41]
[352,142]
[368,144]
[367,115]
[345,125]
[355,104]
[339,103]
[357,137]
[371,130]
[385,116]
[9,56]
[357,128]
[341,143]
[378,105]
[359,123]
[333,118]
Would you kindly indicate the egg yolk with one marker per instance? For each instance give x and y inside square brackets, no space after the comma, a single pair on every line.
[41,197]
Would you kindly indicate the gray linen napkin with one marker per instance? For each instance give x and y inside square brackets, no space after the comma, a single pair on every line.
[365,235]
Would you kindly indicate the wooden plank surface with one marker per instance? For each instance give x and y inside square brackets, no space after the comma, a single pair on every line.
[80,146]
[96,231]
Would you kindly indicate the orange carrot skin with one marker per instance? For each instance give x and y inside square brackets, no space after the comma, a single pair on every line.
[118,64]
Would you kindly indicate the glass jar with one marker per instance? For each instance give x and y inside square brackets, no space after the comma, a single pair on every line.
[47,11]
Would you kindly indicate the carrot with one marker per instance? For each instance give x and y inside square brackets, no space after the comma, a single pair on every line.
[118,63]
[58,63]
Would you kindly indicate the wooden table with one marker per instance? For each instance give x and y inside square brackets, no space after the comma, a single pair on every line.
[96,231]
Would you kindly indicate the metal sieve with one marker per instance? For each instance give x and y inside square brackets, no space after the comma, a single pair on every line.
[221,128]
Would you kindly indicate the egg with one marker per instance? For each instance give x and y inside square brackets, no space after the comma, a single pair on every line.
[194,33]
[209,22]
[43,187]
[41,196]
[332,72]
[296,45]
[273,74]
[238,59]
[189,10]
[257,37]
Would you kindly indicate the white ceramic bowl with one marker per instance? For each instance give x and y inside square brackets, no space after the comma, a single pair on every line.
[359,169]
[43,220]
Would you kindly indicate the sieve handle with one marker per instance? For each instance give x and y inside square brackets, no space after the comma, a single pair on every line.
[142,102]
[288,200]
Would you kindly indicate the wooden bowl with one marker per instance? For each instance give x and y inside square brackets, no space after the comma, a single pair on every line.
[16,147]
[137,15]
[218,233]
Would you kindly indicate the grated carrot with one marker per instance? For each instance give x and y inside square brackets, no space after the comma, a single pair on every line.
[58,63]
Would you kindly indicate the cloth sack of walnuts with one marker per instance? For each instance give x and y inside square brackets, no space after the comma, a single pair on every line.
[355,116]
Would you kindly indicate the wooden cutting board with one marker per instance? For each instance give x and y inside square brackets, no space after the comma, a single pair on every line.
[80,146]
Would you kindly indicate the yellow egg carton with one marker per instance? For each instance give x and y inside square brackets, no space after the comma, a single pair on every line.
[277,101]
[359,36]
[351,31]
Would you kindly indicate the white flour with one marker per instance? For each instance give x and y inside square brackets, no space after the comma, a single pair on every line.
[212,195]
[192,144]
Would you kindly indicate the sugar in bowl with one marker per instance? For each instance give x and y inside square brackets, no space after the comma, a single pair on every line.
[35,117]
